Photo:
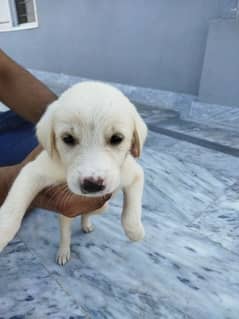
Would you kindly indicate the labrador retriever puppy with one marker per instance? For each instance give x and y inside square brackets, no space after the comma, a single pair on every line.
[91,136]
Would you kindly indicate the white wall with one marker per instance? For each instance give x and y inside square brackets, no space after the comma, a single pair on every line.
[150,43]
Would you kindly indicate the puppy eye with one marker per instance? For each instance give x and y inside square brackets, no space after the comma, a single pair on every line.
[116,139]
[69,140]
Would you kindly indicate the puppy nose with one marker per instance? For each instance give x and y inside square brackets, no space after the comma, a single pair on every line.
[92,185]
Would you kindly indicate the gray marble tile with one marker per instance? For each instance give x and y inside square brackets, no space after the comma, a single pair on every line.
[176,272]
[151,97]
[222,129]
[204,131]
[221,166]
[28,291]
[186,105]
[215,114]
[178,188]
[220,221]
[188,264]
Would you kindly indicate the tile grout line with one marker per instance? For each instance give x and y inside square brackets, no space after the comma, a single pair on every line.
[196,141]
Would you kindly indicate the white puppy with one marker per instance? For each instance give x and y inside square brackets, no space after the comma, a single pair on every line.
[90,137]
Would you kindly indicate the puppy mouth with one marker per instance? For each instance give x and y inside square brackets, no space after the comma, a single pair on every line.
[105,193]
[95,194]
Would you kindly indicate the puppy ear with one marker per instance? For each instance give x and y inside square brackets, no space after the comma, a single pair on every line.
[45,130]
[139,135]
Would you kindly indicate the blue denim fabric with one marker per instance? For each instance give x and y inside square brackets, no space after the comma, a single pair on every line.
[17,138]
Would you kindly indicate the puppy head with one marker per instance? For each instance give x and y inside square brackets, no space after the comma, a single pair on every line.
[91,129]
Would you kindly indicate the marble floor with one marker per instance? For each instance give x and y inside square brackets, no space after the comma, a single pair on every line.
[186,268]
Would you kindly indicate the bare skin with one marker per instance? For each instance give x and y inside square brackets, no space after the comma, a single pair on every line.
[29,98]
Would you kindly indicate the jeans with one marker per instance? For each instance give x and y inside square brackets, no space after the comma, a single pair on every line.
[17,138]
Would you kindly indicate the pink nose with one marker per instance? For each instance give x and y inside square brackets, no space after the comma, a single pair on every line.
[92,185]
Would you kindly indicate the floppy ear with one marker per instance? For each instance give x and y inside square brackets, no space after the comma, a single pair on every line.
[139,135]
[45,130]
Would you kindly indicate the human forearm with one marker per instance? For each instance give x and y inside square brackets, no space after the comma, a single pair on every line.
[21,91]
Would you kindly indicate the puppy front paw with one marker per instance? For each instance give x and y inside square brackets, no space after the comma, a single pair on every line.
[63,255]
[86,225]
[87,228]
[8,229]
[134,232]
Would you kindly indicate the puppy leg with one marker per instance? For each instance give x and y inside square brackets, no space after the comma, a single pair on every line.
[86,224]
[30,181]
[64,251]
[133,191]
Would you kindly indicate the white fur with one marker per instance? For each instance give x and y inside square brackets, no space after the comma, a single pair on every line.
[91,112]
